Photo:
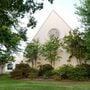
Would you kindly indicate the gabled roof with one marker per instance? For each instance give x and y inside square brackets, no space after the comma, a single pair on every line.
[53,12]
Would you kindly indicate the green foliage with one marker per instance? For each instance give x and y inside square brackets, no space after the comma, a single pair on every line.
[74,43]
[11,12]
[84,12]
[78,73]
[4,58]
[32,52]
[9,40]
[21,71]
[33,73]
[87,67]
[56,77]
[87,42]
[64,71]
[50,50]
[45,70]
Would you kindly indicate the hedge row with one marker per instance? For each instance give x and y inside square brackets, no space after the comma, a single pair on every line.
[80,72]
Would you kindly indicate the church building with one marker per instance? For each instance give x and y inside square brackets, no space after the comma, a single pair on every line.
[54,24]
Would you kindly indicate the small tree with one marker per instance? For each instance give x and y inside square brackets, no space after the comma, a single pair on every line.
[75,45]
[32,52]
[50,50]
[9,42]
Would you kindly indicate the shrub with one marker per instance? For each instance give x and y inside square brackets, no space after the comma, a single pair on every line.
[87,67]
[56,75]
[21,71]
[45,70]
[33,73]
[64,71]
[78,73]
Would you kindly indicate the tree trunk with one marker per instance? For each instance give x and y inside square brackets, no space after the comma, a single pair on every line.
[2,69]
[51,63]
[32,64]
[35,63]
[79,62]
[54,63]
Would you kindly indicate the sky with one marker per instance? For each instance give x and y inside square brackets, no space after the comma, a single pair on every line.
[65,8]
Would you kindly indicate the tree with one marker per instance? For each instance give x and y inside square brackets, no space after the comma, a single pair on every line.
[8,44]
[11,33]
[84,12]
[10,10]
[32,52]
[87,42]
[75,45]
[50,50]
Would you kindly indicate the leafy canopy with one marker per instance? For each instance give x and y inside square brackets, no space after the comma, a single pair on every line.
[74,43]
[84,12]
[11,33]
[50,50]
[32,52]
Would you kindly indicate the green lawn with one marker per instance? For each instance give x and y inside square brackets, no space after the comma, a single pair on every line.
[8,84]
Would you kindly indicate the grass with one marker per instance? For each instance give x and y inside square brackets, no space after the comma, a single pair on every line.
[9,84]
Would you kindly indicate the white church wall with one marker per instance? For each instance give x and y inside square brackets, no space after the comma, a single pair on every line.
[54,21]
